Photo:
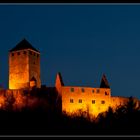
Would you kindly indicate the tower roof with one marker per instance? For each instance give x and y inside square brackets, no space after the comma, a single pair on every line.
[104,82]
[24,44]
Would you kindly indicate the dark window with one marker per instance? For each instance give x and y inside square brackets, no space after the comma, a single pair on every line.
[37,55]
[80,100]
[102,102]
[72,89]
[34,62]
[24,52]
[34,54]
[93,91]
[71,100]
[93,101]
[12,54]
[18,53]
[83,90]
[106,93]
[97,90]
[30,52]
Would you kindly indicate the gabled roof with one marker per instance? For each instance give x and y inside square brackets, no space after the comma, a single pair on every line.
[104,82]
[59,79]
[24,44]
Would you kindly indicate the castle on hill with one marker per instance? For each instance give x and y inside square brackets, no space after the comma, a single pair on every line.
[24,73]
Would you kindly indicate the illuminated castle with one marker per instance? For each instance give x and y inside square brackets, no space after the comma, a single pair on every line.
[24,73]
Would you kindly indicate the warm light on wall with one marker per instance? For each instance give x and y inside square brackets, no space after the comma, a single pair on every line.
[32,83]
[93,100]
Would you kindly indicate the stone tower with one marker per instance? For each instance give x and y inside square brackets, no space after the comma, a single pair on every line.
[24,66]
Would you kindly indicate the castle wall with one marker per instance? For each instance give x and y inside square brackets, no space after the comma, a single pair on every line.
[117,101]
[18,70]
[72,95]
[120,101]
[92,100]
[11,96]
[17,99]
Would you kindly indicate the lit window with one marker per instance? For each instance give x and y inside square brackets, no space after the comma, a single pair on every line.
[97,90]
[83,90]
[18,53]
[93,91]
[71,100]
[106,93]
[72,89]
[93,101]
[102,102]
[80,100]
[12,54]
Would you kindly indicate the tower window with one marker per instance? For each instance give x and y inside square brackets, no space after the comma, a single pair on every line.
[97,91]
[37,55]
[106,93]
[12,54]
[24,52]
[102,102]
[34,54]
[80,100]
[93,91]
[83,90]
[72,89]
[71,100]
[93,101]
[30,52]
[18,53]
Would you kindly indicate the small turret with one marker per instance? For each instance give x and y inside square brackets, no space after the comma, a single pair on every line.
[104,82]
[59,83]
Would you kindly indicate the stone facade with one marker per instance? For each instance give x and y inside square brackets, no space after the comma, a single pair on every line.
[94,100]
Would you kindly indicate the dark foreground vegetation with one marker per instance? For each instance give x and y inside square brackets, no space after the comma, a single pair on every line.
[49,120]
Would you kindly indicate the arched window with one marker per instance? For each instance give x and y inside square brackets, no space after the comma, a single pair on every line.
[33,82]
[82,89]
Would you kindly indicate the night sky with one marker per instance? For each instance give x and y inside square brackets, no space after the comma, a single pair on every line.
[80,41]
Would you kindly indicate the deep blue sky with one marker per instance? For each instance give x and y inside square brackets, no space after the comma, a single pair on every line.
[80,41]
